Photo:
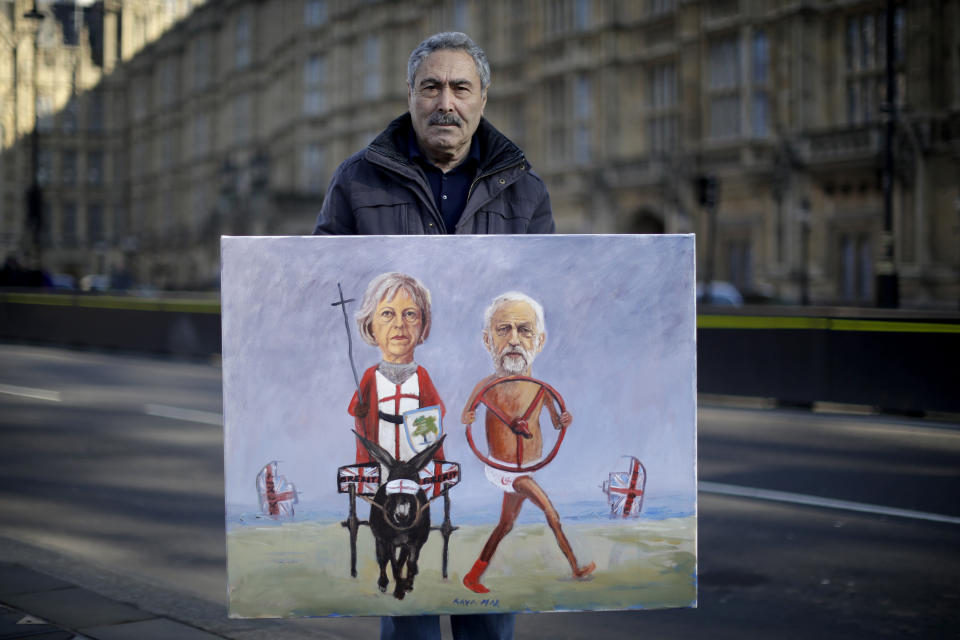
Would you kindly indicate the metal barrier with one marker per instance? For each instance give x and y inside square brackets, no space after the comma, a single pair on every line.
[170,325]
[893,360]
[897,361]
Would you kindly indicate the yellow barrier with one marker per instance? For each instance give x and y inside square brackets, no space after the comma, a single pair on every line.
[829,324]
[182,305]
[188,305]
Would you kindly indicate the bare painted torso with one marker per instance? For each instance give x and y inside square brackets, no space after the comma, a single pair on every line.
[512,400]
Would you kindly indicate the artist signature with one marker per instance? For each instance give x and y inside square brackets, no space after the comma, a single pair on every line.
[486,602]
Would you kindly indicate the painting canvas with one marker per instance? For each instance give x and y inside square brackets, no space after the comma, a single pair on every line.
[447,424]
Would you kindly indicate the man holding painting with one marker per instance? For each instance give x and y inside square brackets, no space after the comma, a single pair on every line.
[440,168]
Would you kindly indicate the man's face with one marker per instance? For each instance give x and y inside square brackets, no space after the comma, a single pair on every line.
[512,338]
[397,325]
[446,103]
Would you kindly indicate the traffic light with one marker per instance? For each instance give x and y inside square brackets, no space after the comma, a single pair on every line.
[708,191]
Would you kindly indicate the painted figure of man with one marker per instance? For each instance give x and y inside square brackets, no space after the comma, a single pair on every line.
[394,316]
[440,168]
[514,333]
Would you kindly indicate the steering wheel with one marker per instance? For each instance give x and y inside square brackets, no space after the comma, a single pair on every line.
[518,424]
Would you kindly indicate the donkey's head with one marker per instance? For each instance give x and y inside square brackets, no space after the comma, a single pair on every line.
[401,496]
[397,469]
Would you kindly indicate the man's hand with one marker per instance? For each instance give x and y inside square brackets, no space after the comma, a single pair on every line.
[564,420]
[468,417]
[521,427]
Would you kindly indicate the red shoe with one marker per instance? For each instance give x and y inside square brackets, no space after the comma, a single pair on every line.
[584,572]
[472,579]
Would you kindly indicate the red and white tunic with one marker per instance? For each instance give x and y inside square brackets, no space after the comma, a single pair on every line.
[392,399]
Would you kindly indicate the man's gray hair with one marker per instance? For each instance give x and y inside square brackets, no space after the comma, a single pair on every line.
[384,287]
[514,296]
[449,41]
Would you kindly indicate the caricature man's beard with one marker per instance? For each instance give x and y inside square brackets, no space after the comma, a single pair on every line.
[508,363]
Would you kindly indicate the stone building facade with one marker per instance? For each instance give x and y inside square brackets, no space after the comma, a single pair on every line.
[229,116]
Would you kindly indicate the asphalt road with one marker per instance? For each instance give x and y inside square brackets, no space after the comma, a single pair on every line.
[810,524]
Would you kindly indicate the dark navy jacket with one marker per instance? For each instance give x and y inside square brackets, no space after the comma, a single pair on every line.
[380,191]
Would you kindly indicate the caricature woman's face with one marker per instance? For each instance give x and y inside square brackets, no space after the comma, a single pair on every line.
[397,325]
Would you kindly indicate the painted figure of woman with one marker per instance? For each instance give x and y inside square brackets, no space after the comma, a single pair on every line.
[394,316]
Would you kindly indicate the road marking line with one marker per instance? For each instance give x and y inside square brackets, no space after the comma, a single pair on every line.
[27,392]
[911,432]
[816,501]
[187,415]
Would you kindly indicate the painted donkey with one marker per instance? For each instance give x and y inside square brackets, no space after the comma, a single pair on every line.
[399,515]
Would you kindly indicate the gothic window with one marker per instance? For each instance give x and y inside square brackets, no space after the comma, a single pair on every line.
[68,224]
[44,113]
[94,223]
[44,166]
[583,117]
[557,122]
[201,61]
[68,116]
[314,77]
[371,67]
[724,85]
[68,167]
[461,15]
[241,41]
[95,117]
[95,167]
[663,108]
[582,15]
[856,267]
[661,7]
[740,264]
[201,134]
[566,16]
[760,85]
[315,12]
[311,168]
[865,59]
[243,118]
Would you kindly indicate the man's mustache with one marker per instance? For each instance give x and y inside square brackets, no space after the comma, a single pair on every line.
[440,118]
[513,351]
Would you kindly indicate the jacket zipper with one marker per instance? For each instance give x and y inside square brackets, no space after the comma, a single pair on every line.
[487,175]
[438,219]
[491,173]
[432,206]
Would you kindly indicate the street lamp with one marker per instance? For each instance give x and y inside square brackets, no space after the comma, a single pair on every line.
[888,294]
[34,199]
[805,252]
[708,194]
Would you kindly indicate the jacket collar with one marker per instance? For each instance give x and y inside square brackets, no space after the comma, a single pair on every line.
[496,150]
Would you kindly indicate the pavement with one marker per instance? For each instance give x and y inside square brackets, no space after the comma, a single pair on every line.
[40,607]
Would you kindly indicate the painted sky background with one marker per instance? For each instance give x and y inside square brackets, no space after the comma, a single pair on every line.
[620,349]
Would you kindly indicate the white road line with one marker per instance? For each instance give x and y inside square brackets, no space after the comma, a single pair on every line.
[27,392]
[187,415]
[816,501]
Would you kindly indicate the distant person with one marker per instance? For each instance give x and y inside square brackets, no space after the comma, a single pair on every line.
[11,275]
[440,168]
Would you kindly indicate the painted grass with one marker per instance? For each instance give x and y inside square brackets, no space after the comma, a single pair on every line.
[302,569]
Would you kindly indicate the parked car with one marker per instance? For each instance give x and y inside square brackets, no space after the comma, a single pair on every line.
[95,282]
[63,281]
[719,293]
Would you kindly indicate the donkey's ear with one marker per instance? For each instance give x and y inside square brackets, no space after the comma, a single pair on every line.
[378,453]
[421,459]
